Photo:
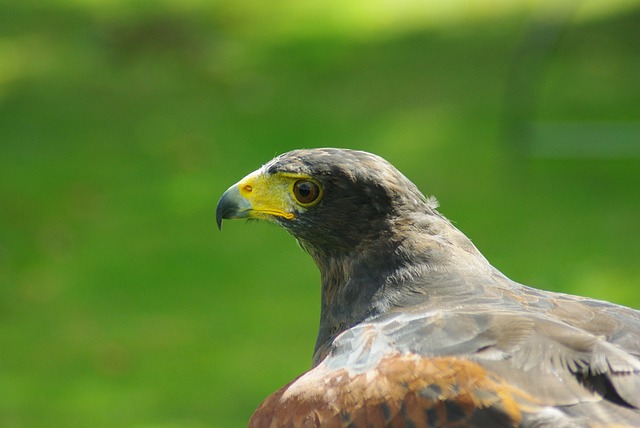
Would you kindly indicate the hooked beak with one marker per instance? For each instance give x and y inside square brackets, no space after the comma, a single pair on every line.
[232,205]
[257,196]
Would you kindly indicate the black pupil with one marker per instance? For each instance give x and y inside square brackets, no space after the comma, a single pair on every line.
[306,191]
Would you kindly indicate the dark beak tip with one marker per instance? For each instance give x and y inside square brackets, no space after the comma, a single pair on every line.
[231,205]
[220,212]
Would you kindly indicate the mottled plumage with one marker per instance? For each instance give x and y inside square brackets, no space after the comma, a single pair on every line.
[417,329]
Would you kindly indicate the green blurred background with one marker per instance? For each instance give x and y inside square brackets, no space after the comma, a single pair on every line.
[122,122]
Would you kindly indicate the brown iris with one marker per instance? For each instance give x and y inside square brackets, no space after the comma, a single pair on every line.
[306,192]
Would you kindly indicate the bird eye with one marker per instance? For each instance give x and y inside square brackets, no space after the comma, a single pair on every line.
[305,191]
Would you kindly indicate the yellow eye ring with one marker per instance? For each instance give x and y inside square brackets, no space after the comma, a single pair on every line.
[306,192]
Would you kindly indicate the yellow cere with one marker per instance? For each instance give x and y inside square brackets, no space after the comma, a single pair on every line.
[270,195]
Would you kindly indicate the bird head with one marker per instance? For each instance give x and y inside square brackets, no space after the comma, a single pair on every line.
[330,200]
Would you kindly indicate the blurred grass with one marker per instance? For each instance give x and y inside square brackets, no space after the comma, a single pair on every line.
[121,123]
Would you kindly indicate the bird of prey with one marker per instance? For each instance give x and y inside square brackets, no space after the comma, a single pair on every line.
[417,329]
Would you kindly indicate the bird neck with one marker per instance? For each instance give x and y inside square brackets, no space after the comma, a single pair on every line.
[401,270]
[350,294]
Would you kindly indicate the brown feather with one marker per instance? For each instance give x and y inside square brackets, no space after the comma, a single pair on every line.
[404,390]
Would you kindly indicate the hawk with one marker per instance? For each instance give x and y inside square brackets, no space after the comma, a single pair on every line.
[417,328]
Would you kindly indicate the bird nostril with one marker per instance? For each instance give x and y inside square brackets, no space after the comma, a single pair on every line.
[247,188]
